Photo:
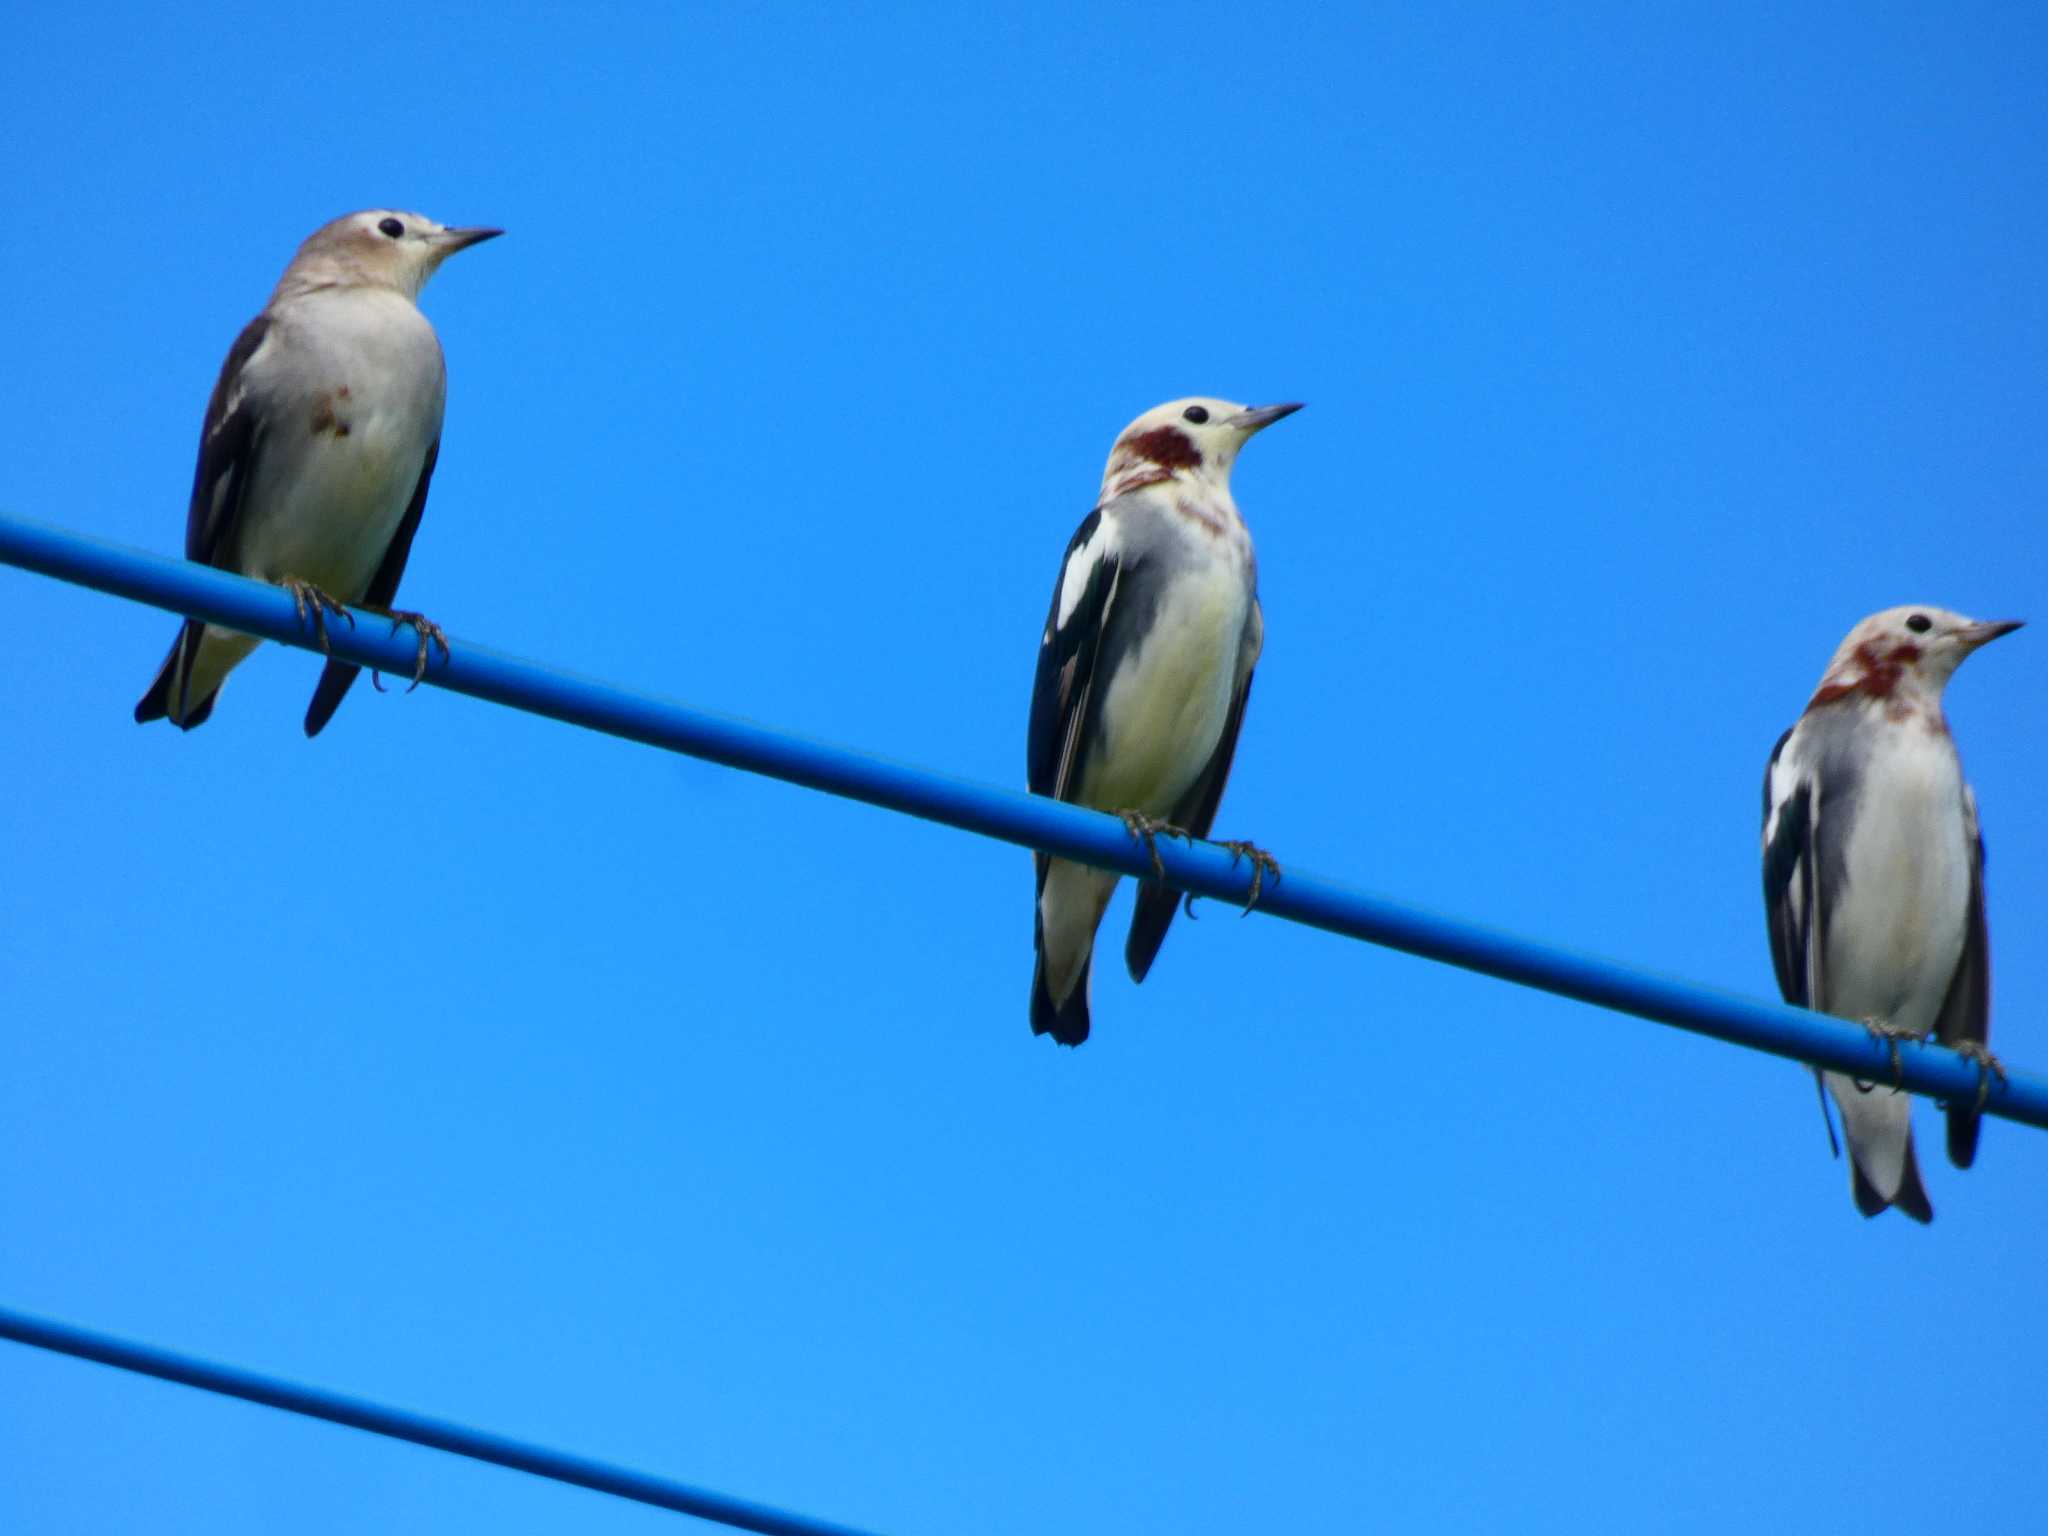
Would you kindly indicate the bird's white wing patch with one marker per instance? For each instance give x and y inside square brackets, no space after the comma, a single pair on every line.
[1076,707]
[238,386]
[1102,545]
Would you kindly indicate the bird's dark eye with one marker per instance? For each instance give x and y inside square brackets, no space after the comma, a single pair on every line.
[1196,413]
[1919,623]
[391,227]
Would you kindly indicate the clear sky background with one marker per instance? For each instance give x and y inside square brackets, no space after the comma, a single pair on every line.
[529,1078]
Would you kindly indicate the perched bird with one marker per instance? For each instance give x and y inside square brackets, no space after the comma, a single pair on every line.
[1874,878]
[317,448]
[1143,674]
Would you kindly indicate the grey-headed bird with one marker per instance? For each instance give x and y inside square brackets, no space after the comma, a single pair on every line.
[317,448]
[1143,674]
[1874,878]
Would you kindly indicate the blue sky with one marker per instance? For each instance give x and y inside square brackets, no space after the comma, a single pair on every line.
[539,1081]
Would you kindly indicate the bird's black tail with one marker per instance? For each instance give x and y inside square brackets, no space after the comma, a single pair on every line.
[1963,1124]
[335,680]
[1157,904]
[1066,1022]
[173,680]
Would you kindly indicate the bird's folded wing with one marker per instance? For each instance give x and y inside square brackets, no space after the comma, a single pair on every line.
[1068,658]
[229,441]
[1789,863]
[1966,1012]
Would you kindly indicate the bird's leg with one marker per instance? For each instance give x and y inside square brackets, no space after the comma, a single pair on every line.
[307,597]
[426,629]
[1891,1035]
[1262,862]
[1987,1064]
[1146,829]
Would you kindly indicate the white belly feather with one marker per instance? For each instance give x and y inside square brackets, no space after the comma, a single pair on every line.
[1896,933]
[359,412]
[1167,706]
[333,504]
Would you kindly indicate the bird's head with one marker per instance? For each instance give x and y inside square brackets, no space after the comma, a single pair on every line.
[1195,437]
[1904,653]
[379,248]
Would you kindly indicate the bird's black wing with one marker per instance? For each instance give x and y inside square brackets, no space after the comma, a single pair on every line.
[337,676]
[1792,909]
[1966,1011]
[229,442]
[230,438]
[1196,813]
[1063,713]
[1789,863]
[1067,656]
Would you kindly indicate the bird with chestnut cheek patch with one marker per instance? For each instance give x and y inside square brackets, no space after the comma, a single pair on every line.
[1874,879]
[1143,672]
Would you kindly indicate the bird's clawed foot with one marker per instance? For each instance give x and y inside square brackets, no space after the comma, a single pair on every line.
[1987,1066]
[1891,1035]
[427,630]
[308,598]
[1146,829]
[1263,864]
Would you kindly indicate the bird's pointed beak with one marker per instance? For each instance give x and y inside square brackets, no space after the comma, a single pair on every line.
[1983,634]
[453,240]
[1253,418]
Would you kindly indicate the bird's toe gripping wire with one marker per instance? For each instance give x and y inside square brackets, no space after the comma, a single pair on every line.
[427,630]
[1263,864]
[1890,1035]
[1147,829]
[308,598]
[1987,1066]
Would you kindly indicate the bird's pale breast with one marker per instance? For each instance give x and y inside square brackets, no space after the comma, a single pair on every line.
[359,405]
[1896,930]
[1169,703]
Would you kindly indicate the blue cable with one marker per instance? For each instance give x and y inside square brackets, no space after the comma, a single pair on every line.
[1033,821]
[316,1403]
